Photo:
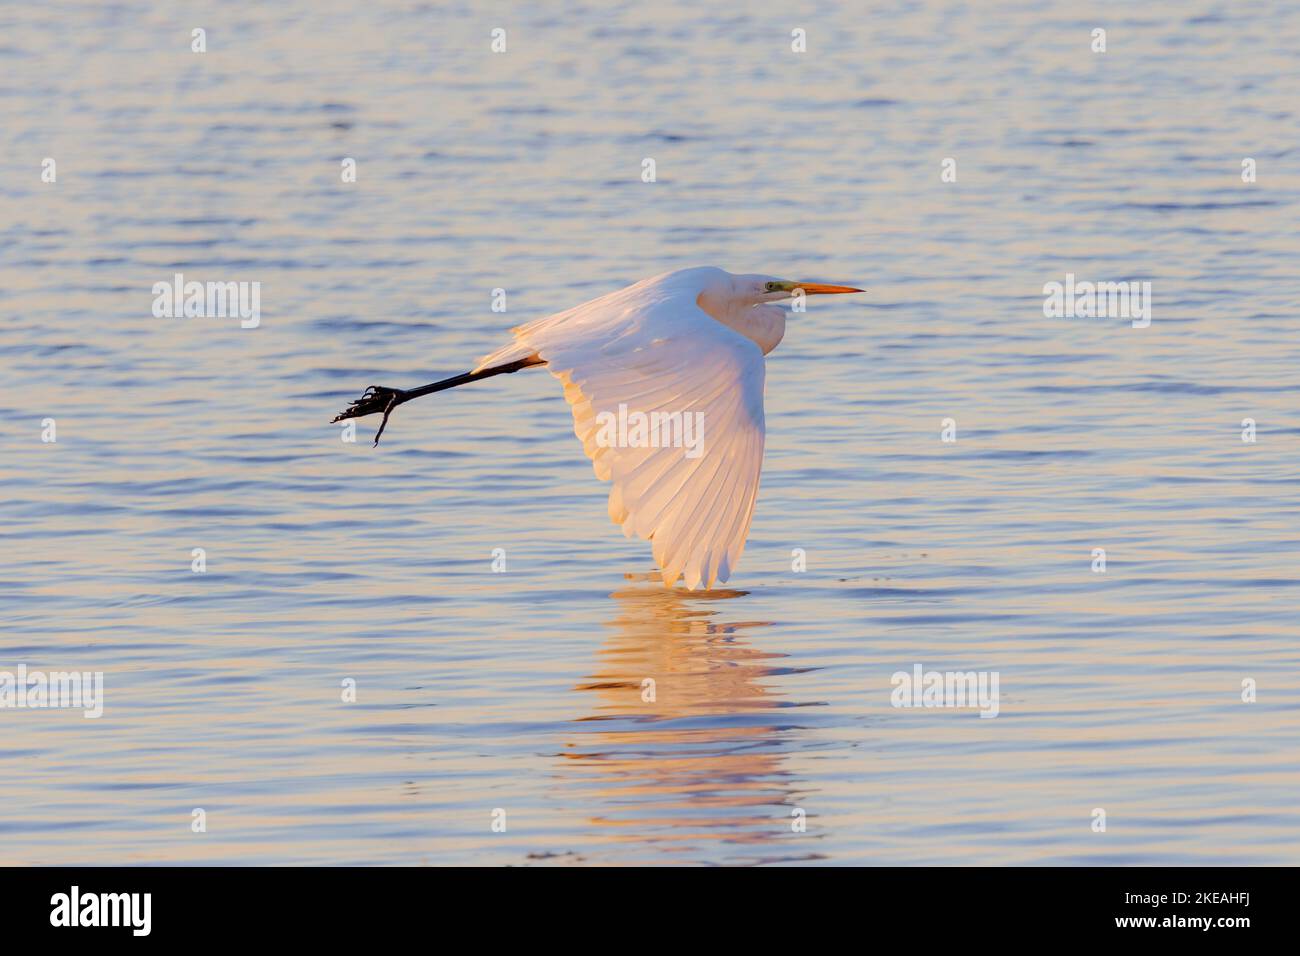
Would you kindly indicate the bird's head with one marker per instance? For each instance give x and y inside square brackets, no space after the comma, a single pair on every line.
[756,289]
[747,303]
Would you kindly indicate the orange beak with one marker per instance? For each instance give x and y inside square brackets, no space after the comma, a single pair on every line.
[818,288]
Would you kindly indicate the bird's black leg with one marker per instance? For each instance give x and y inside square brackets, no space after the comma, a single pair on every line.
[377,398]
[388,410]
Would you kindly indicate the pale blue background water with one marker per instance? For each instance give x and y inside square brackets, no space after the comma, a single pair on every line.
[522,691]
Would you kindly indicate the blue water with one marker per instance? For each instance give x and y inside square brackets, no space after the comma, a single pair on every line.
[518,698]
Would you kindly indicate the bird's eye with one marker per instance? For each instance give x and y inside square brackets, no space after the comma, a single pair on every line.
[771,286]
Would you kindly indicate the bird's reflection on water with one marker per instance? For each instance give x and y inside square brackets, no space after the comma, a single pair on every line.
[688,736]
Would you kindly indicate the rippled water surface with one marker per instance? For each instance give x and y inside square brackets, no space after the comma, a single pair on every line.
[523,691]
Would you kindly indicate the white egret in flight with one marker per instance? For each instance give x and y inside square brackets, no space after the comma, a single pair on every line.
[685,343]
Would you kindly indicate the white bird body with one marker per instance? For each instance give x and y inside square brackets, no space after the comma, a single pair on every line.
[652,348]
[685,343]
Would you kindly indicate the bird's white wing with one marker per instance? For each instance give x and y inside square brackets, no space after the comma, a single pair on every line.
[662,354]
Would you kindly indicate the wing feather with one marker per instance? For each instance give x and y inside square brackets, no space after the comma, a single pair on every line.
[663,354]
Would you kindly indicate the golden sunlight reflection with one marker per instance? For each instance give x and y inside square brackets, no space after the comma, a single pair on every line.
[687,737]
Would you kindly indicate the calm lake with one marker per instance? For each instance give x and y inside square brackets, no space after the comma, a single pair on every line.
[504,717]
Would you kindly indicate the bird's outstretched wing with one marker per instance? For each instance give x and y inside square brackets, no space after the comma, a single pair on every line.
[662,355]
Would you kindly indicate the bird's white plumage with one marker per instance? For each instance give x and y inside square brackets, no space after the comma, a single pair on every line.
[652,348]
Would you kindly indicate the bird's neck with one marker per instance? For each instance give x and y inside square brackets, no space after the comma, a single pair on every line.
[764,325]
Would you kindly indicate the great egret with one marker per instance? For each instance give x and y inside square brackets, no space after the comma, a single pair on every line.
[683,348]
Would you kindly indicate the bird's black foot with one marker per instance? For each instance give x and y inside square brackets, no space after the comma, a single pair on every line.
[377,398]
